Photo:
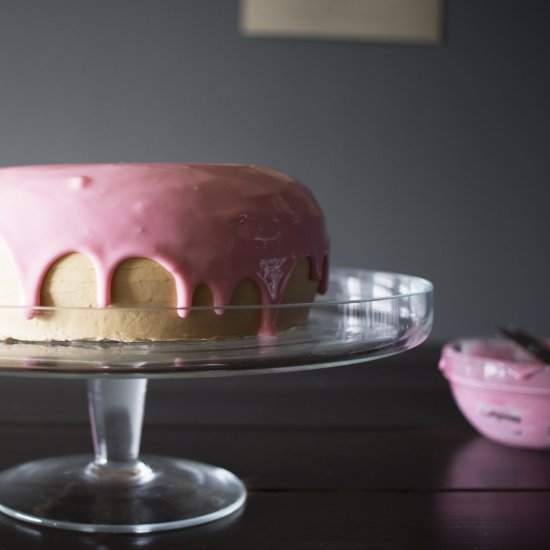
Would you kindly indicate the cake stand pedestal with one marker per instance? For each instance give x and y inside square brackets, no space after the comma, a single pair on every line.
[365,315]
[117,491]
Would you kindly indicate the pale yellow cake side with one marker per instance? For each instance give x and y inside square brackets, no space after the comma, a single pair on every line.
[137,283]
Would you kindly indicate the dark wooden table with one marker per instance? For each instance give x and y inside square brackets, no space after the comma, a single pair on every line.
[369,456]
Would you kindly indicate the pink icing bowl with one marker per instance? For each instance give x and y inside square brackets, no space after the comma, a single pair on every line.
[502,390]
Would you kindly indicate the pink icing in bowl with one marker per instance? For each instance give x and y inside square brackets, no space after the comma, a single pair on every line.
[502,390]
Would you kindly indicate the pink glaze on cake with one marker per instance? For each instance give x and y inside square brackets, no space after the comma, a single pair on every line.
[210,224]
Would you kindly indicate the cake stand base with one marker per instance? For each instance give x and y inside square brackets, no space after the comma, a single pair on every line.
[154,494]
[366,315]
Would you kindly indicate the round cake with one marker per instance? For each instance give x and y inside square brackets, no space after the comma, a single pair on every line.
[133,252]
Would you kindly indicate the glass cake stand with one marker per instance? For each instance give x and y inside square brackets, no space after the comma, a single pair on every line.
[365,315]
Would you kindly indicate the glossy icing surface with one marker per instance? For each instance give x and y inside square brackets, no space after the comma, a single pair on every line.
[210,224]
[494,362]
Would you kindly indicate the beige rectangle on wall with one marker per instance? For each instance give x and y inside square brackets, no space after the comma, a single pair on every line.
[415,21]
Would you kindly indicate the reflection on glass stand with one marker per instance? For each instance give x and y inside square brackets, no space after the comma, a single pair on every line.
[365,315]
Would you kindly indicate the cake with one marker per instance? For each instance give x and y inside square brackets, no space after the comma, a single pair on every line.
[122,251]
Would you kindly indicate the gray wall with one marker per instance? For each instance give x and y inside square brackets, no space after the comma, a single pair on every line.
[427,160]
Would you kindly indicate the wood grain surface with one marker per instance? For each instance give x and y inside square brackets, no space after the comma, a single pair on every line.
[370,456]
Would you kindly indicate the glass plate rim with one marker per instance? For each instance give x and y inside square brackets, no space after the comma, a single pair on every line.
[426,288]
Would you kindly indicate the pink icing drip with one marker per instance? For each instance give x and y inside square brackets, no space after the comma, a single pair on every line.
[206,224]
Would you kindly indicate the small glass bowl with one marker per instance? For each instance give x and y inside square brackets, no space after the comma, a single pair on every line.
[502,390]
